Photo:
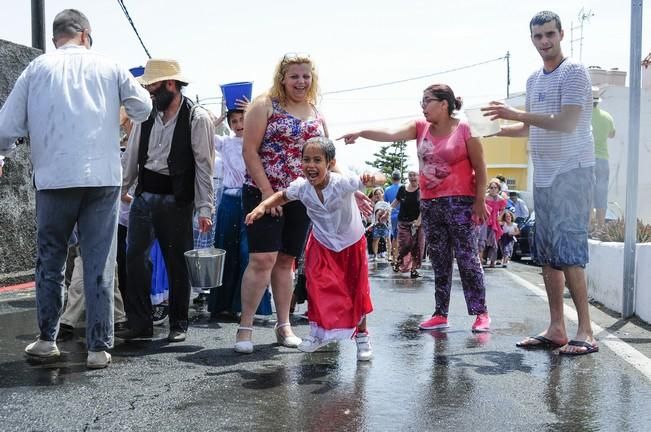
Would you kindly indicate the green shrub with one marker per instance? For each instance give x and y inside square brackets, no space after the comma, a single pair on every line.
[614,231]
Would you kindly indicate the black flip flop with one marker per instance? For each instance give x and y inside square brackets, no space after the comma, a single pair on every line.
[590,348]
[544,343]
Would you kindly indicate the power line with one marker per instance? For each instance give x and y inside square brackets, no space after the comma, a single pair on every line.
[413,78]
[384,84]
[133,26]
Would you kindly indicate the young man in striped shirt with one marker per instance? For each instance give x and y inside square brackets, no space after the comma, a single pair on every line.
[557,121]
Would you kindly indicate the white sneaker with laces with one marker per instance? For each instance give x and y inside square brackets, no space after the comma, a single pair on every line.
[43,349]
[98,359]
[311,344]
[364,350]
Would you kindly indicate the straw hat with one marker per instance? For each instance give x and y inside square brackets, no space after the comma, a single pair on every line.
[596,94]
[160,70]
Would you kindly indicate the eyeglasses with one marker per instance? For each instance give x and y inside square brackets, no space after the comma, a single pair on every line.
[493,187]
[90,38]
[427,100]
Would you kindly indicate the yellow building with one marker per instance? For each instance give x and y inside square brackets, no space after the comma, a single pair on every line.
[508,157]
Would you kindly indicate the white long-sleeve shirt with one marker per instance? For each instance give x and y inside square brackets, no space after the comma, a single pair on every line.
[68,102]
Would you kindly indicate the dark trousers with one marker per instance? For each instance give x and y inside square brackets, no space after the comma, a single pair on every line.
[158,216]
[122,260]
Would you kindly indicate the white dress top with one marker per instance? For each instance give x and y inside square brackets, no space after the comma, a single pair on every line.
[336,221]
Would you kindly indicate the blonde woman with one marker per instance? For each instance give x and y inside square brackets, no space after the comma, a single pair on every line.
[276,127]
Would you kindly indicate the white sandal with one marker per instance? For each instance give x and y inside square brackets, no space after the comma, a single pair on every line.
[286,341]
[245,346]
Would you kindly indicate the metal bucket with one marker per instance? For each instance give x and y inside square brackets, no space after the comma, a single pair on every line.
[205,267]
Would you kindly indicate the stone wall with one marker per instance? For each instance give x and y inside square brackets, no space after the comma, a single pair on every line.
[17,204]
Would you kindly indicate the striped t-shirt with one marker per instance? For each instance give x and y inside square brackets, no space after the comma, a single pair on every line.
[554,152]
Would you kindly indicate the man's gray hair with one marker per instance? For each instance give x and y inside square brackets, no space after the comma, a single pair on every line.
[69,22]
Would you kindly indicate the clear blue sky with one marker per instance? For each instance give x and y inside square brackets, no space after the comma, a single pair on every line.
[354,43]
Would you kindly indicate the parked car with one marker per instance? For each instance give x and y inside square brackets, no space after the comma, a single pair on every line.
[524,240]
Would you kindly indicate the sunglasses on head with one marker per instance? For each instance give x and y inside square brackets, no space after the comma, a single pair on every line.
[293,57]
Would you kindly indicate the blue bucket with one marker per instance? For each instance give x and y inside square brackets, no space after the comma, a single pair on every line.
[234,91]
[137,71]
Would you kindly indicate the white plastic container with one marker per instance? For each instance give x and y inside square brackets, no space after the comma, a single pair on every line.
[481,126]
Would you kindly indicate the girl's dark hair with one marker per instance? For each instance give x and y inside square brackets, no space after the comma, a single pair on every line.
[326,145]
[444,92]
[231,113]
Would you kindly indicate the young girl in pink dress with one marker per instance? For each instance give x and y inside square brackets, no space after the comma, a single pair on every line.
[339,298]
[493,233]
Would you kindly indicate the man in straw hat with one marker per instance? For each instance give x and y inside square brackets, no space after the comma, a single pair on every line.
[171,155]
[603,127]
[68,102]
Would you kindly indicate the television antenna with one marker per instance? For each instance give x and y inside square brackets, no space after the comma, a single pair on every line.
[583,17]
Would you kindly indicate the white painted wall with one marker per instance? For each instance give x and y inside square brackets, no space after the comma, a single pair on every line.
[615,101]
[643,282]
[604,273]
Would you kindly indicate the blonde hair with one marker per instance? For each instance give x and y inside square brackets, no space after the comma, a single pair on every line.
[277,90]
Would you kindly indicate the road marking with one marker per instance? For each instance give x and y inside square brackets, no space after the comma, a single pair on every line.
[17,288]
[632,356]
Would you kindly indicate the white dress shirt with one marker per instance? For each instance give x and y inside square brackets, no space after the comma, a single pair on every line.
[234,170]
[158,150]
[336,222]
[68,102]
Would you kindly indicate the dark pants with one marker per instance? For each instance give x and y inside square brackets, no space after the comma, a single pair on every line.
[95,210]
[158,216]
[122,260]
[231,236]
[451,233]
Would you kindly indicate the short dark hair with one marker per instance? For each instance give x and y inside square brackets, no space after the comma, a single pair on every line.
[69,22]
[543,17]
[513,193]
[326,144]
[231,113]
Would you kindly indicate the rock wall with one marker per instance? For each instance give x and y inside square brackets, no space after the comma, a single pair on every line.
[17,203]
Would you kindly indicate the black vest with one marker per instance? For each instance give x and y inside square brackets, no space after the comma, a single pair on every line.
[180,160]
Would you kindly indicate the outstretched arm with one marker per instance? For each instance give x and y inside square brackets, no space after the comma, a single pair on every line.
[565,121]
[275,200]
[405,132]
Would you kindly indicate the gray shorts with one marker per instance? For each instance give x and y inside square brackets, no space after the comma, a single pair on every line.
[562,219]
[601,173]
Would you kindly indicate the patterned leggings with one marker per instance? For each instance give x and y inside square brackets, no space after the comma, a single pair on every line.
[449,228]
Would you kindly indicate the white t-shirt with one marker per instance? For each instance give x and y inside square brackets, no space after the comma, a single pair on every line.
[336,221]
[232,168]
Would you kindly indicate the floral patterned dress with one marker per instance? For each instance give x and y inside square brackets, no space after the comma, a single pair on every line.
[280,151]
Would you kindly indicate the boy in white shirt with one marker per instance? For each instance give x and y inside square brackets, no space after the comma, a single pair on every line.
[339,298]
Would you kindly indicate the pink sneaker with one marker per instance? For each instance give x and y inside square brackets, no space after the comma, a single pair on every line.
[482,323]
[436,322]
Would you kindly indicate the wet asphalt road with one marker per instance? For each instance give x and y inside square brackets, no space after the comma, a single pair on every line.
[420,381]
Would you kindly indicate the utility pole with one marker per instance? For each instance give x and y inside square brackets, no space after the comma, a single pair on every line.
[584,15]
[38,24]
[508,74]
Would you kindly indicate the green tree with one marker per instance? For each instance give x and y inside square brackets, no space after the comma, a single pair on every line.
[389,158]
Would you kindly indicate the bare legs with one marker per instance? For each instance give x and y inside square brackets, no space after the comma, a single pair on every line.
[555,284]
[274,267]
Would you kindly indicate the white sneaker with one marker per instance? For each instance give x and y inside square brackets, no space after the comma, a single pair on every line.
[311,344]
[98,359]
[43,349]
[364,350]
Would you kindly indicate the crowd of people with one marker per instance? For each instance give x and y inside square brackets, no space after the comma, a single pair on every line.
[277,194]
